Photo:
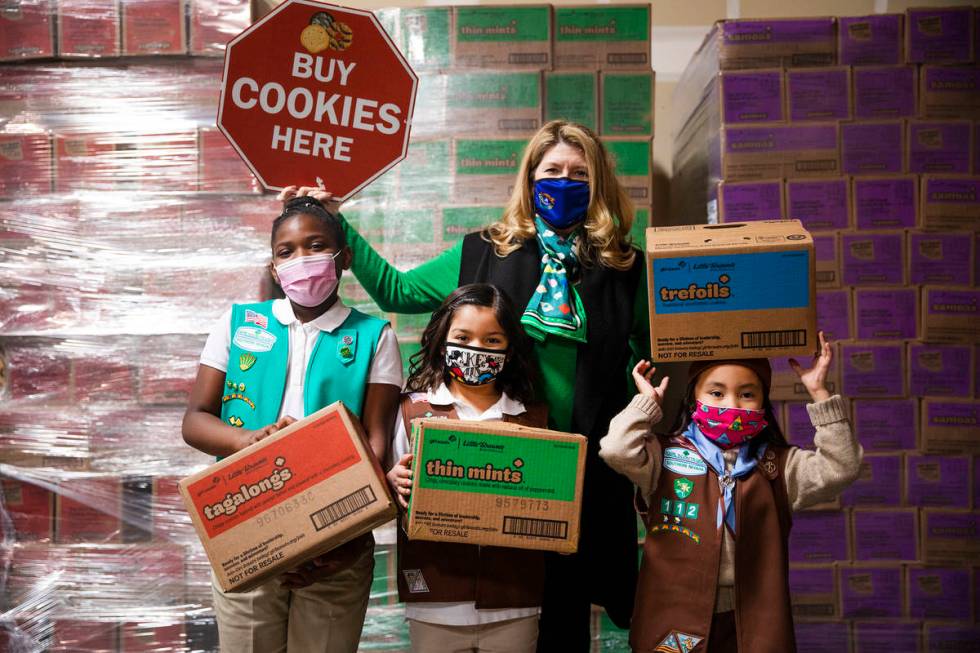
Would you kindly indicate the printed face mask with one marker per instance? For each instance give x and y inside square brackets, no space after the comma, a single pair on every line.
[562,202]
[729,427]
[309,280]
[474,365]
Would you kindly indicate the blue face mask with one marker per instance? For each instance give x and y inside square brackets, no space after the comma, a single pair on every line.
[562,203]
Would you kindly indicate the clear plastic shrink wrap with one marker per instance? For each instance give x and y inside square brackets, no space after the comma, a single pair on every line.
[128,224]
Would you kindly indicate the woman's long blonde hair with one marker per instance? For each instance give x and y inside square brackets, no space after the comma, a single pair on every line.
[610,215]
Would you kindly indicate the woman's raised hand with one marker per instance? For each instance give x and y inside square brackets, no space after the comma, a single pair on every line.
[326,198]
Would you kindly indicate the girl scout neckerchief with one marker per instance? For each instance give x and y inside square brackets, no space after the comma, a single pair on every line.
[555,308]
[748,456]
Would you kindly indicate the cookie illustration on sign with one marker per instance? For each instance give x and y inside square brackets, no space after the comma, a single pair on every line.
[325,31]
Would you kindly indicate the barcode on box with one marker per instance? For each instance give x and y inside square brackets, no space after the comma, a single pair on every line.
[343,507]
[767,339]
[549,528]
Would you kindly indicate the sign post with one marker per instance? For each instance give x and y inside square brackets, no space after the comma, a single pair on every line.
[317,95]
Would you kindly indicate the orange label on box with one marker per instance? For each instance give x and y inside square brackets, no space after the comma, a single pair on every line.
[257,482]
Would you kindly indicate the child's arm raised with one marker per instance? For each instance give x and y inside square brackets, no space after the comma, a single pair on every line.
[629,447]
[813,477]
[202,426]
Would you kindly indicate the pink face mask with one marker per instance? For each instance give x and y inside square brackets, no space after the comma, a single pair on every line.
[729,427]
[309,280]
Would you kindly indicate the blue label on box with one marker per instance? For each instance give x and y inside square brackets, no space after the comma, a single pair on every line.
[732,282]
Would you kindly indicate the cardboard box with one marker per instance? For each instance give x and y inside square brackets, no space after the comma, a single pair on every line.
[750,201]
[939,147]
[819,537]
[164,634]
[484,169]
[950,637]
[950,203]
[220,169]
[872,591]
[703,298]
[827,249]
[950,426]
[88,28]
[873,148]
[813,590]
[950,537]
[885,92]
[775,151]
[26,30]
[976,143]
[752,96]
[496,485]
[822,635]
[885,202]
[215,22]
[400,226]
[950,314]
[153,27]
[572,96]
[626,103]
[786,385]
[939,35]
[88,510]
[30,507]
[885,425]
[25,164]
[939,593]
[883,636]
[82,635]
[873,369]
[819,93]
[870,40]
[457,221]
[873,258]
[502,37]
[885,534]
[797,427]
[633,161]
[606,37]
[834,314]
[286,499]
[940,258]
[886,313]
[425,37]
[940,370]
[938,481]
[502,102]
[950,92]
[776,42]
[879,483]
[820,204]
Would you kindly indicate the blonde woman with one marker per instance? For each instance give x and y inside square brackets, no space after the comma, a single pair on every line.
[561,253]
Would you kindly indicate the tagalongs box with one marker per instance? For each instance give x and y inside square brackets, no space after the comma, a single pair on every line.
[297,494]
[496,484]
[739,290]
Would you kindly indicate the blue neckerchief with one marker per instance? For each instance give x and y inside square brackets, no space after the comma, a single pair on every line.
[748,456]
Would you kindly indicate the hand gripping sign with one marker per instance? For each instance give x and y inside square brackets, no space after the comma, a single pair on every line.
[318,95]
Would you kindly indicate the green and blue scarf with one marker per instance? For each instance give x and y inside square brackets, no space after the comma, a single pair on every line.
[555,308]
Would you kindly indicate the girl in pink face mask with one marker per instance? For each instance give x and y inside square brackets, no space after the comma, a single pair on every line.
[724,475]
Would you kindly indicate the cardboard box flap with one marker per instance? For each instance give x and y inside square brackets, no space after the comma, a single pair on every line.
[741,235]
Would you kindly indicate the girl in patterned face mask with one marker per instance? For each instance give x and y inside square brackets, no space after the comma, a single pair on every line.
[473,365]
[724,477]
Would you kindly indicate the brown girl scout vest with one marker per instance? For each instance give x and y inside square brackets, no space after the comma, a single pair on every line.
[675,598]
[493,577]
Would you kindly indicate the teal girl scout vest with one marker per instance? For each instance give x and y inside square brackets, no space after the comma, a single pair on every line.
[256,376]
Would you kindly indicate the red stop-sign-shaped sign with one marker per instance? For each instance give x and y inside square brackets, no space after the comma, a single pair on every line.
[318,95]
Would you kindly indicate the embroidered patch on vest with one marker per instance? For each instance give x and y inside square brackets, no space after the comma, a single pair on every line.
[683,487]
[768,465]
[674,528]
[347,346]
[246,361]
[684,461]
[416,581]
[256,318]
[678,642]
[253,339]
[240,387]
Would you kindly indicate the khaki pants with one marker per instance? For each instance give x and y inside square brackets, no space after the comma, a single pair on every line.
[325,617]
[512,636]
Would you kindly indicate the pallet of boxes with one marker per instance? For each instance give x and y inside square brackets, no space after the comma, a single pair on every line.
[865,129]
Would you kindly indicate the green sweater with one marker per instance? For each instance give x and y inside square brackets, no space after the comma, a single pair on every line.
[422,289]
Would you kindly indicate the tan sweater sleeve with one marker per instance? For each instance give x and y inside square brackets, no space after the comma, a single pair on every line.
[815,476]
[631,448]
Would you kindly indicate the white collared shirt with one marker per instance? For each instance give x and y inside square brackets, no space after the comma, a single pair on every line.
[458,613]
[386,367]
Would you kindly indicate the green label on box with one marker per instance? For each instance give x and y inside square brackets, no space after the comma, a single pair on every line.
[488,157]
[394,225]
[602,24]
[571,96]
[632,157]
[494,91]
[424,36]
[502,23]
[457,221]
[638,232]
[627,106]
[481,463]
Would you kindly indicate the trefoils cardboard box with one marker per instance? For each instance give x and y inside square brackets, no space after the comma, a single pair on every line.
[496,484]
[297,494]
[739,290]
